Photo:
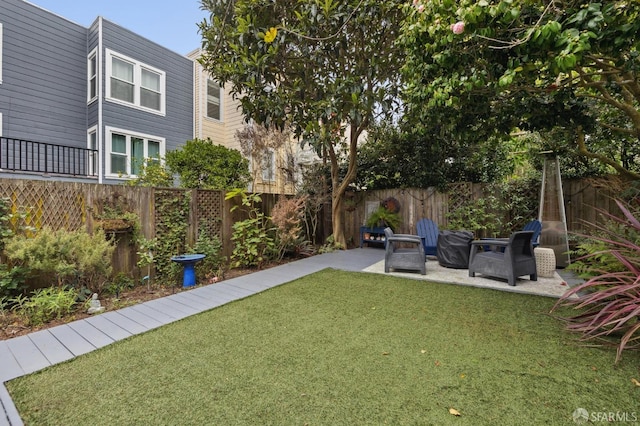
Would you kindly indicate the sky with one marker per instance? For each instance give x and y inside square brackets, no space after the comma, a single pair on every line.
[170,23]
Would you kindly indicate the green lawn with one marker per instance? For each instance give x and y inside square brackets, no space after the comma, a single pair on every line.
[339,348]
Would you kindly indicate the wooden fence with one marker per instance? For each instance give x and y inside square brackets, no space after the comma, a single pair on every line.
[75,206]
[582,198]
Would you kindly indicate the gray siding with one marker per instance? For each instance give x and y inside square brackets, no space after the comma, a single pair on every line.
[42,97]
[177,123]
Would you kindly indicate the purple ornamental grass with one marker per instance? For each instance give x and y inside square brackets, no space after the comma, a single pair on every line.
[610,302]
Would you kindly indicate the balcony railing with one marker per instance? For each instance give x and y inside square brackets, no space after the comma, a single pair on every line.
[37,157]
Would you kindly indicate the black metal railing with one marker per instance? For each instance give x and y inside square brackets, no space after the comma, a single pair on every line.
[38,157]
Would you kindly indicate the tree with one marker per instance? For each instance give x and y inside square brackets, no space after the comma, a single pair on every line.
[321,68]
[201,164]
[531,64]
[419,156]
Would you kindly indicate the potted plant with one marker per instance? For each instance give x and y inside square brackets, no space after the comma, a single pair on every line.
[383,217]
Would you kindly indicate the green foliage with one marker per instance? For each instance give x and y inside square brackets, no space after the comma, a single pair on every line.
[120,283]
[482,217]
[45,305]
[146,260]
[517,64]
[201,164]
[5,225]
[153,174]
[410,155]
[594,253]
[171,234]
[383,217]
[211,246]
[70,258]
[12,279]
[330,246]
[253,239]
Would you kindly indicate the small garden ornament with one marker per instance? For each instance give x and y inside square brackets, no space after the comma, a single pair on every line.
[95,305]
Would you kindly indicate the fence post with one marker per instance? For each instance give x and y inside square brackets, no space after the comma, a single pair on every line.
[192,228]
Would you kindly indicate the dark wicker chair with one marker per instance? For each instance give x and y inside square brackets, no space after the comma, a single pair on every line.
[516,260]
[399,257]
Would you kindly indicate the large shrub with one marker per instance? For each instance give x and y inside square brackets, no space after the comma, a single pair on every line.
[609,302]
[201,164]
[72,258]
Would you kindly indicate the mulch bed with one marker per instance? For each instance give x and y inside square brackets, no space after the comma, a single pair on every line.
[13,325]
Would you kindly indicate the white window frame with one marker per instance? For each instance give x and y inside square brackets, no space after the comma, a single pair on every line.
[94,157]
[0,124]
[109,131]
[137,83]
[269,173]
[206,99]
[1,54]
[92,56]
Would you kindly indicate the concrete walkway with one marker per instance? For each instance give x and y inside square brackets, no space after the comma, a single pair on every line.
[26,354]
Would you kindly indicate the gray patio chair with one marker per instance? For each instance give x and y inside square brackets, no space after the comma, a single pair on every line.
[516,260]
[399,257]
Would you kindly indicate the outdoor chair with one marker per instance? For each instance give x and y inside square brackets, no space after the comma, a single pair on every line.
[516,260]
[428,231]
[399,257]
[534,225]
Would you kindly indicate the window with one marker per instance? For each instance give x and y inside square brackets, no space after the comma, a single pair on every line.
[134,83]
[291,168]
[92,76]
[213,100]
[92,143]
[269,166]
[150,95]
[128,152]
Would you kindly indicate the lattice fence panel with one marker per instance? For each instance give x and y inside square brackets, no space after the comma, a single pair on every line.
[459,194]
[52,204]
[209,208]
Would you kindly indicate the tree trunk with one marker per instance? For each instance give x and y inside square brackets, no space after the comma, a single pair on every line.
[339,188]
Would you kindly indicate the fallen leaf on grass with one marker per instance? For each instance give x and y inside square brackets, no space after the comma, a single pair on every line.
[635,382]
[423,351]
[385,353]
[437,363]
[454,412]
